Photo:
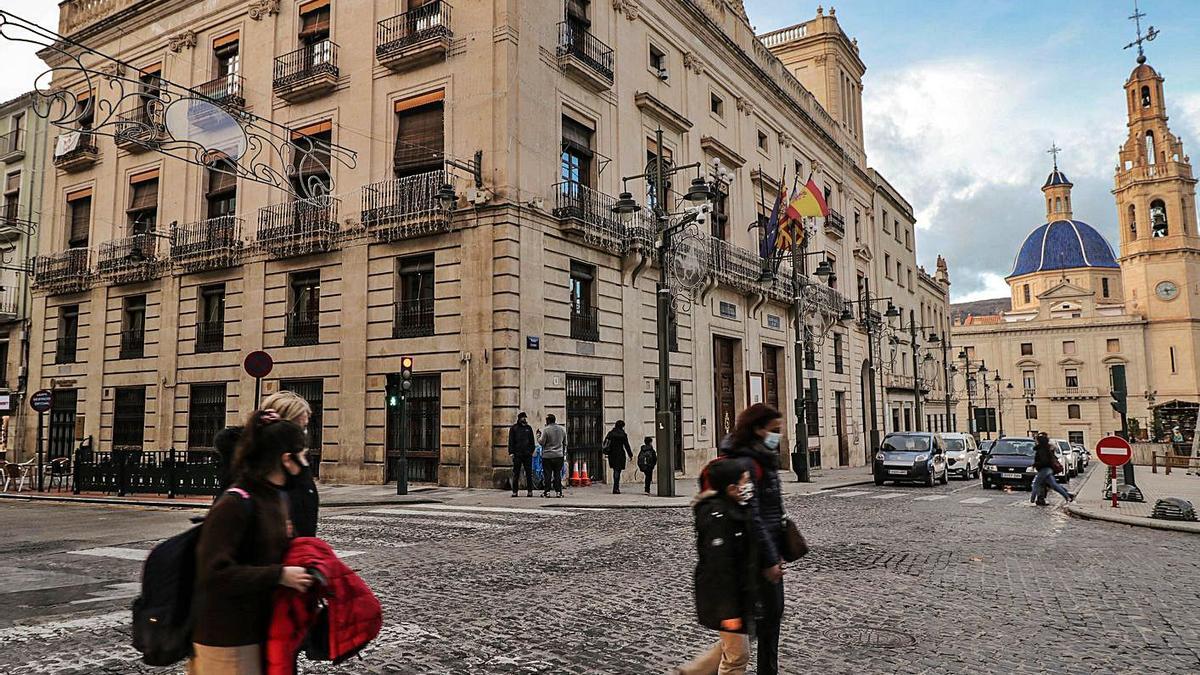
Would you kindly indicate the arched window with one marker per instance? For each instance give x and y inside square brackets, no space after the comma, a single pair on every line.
[1158,218]
[1150,148]
[1067,201]
[1145,97]
[1058,204]
[1183,212]
[1132,221]
[1048,203]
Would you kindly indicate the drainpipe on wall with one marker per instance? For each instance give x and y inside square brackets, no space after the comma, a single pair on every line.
[466,360]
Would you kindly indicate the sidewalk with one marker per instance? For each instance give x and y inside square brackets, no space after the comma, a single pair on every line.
[594,496]
[1089,502]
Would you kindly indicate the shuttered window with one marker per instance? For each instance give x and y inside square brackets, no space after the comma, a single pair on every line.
[420,139]
[314,22]
[80,215]
[222,190]
[312,161]
[143,206]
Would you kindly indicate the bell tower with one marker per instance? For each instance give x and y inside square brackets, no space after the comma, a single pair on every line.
[1058,191]
[1160,249]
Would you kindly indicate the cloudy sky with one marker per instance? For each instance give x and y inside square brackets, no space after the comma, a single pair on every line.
[963,97]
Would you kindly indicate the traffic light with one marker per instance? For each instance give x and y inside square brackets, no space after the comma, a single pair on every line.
[393,394]
[406,375]
[1118,402]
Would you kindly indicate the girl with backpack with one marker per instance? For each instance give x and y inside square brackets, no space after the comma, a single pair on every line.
[647,460]
[240,552]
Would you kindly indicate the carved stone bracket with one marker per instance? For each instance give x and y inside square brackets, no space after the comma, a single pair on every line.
[184,40]
[629,8]
[259,9]
[114,70]
[693,63]
[786,140]
[745,106]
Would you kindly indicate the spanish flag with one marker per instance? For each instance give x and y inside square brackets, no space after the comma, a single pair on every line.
[806,202]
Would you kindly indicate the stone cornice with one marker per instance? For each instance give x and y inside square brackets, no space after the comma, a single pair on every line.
[1051,326]
[712,145]
[660,111]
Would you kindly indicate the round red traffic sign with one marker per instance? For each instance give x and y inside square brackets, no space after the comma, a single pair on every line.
[1113,450]
[258,364]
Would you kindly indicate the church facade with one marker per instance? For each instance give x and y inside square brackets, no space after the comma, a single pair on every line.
[1084,318]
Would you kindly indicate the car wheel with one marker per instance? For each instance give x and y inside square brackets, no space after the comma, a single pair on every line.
[878,481]
[945,476]
[987,485]
[929,479]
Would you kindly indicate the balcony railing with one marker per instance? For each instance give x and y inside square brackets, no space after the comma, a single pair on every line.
[130,259]
[299,227]
[210,336]
[210,244]
[9,306]
[835,223]
[1071,393]
[578,44]
[66,348]
[405,208]
[307,72]
[585,324]
[425,29]
[414,318]
[735,266]
[133,343]
[225,90]
[67,271]
[140,128]
[588,214]
[12,143]
[303,328]
[75,151]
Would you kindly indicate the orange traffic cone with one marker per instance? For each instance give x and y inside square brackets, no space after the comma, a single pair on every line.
[574,481]
[585,479]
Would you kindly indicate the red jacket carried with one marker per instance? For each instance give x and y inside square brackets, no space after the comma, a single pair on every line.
[353,615]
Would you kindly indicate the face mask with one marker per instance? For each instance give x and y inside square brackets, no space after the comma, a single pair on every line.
[772,440]
[745,493]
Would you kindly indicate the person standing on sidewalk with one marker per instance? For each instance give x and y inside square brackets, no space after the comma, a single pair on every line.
[616,445]
[647,460]
[727,572]
[1046,465]
[755,438]
[554,452]
[304,503]
[520,447]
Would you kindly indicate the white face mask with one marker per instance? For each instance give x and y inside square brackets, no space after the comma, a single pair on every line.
[772,440]
[745,493]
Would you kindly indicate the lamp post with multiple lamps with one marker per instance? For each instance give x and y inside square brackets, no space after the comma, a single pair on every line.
[874,329]
[699,196]
[1000,399]
[969,378]
[912,328]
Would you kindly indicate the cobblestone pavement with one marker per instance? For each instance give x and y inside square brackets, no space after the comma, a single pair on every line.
[951,579]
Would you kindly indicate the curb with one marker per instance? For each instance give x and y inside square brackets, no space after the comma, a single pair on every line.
[107,501]
[390,502]
[1132,521]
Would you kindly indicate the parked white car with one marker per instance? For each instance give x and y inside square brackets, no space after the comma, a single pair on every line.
[1085,457]
[962,455]
[1068,457]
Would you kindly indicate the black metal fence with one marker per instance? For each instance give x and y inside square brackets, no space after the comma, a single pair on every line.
[585,324]
[123,471]
[225,90]
[398,32]
[307,62]
[208,244]
[575,40]
[414,318]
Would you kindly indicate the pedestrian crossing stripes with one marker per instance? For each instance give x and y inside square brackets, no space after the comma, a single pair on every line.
[888,495]
[852,493]
[498,509]
[975,500]
[930,498]
[1000,500]
[140,554]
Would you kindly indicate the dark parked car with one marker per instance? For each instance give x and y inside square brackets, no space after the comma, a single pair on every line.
[1010,462]
[985,447]
[911,457]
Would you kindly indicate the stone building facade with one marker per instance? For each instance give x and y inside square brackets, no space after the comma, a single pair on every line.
[530,295]
[1084,319]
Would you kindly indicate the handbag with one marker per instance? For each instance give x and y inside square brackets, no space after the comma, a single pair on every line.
[794,545]
[1057,467]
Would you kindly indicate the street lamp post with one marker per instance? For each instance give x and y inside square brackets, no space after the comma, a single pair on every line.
[946,368]
[698,193]
[912,336]
[872,330]
[987,409]
[1000,400]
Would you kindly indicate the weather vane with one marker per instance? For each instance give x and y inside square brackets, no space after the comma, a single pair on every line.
[1151,32]
[1054,150]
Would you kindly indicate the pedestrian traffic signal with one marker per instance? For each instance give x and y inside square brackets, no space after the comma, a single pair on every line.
[1119,402]
[406,374]
[393,394]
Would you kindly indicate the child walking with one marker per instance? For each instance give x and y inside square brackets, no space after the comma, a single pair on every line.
[726,568]
[647,460]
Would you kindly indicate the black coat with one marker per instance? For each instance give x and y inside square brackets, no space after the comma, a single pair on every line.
[727,571]
[520,440]
[767,504]
[303,503]
[647,459]
[616,444]
[1043,456]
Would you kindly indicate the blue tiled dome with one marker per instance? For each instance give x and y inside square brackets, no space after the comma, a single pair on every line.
[1056,177]
[1063,245]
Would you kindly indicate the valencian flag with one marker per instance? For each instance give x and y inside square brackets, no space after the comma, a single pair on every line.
[770,233]
[807,202]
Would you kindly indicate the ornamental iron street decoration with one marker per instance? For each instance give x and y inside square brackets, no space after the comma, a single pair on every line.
[123,102]
[687,265]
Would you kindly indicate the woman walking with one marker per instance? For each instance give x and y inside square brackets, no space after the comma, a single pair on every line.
[616,443]
[241,549]
[755,438]
[727,573]
[304,502]
[1046,464]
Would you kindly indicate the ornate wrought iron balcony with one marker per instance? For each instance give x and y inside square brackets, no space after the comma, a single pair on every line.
[405,208]
[414,318]
[585,324]
[308,72]
[736,267]
[75,151]
[12,145]
[139,129]
[584,57]
[67,271]
[225,91]
[416,36]
[299,227]
[303,328]
[587,213]
[210,244]
[835,224]
[130,259]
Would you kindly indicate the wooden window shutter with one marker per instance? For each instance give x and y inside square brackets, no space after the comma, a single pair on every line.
[12,182]
[220,180]
[227,40]
[145,195]
[81,217]
[315,161]
[420,139]
[577,135]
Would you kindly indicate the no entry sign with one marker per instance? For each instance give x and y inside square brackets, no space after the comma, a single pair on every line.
[1113,450]
[258,364]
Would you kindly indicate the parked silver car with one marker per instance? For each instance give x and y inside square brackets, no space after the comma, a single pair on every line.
[1085,457]
[1066,456]
[962,455]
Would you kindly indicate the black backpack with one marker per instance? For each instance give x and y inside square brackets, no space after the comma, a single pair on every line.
[162,614]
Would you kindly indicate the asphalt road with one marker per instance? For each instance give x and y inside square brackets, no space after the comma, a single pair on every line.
[950,579]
